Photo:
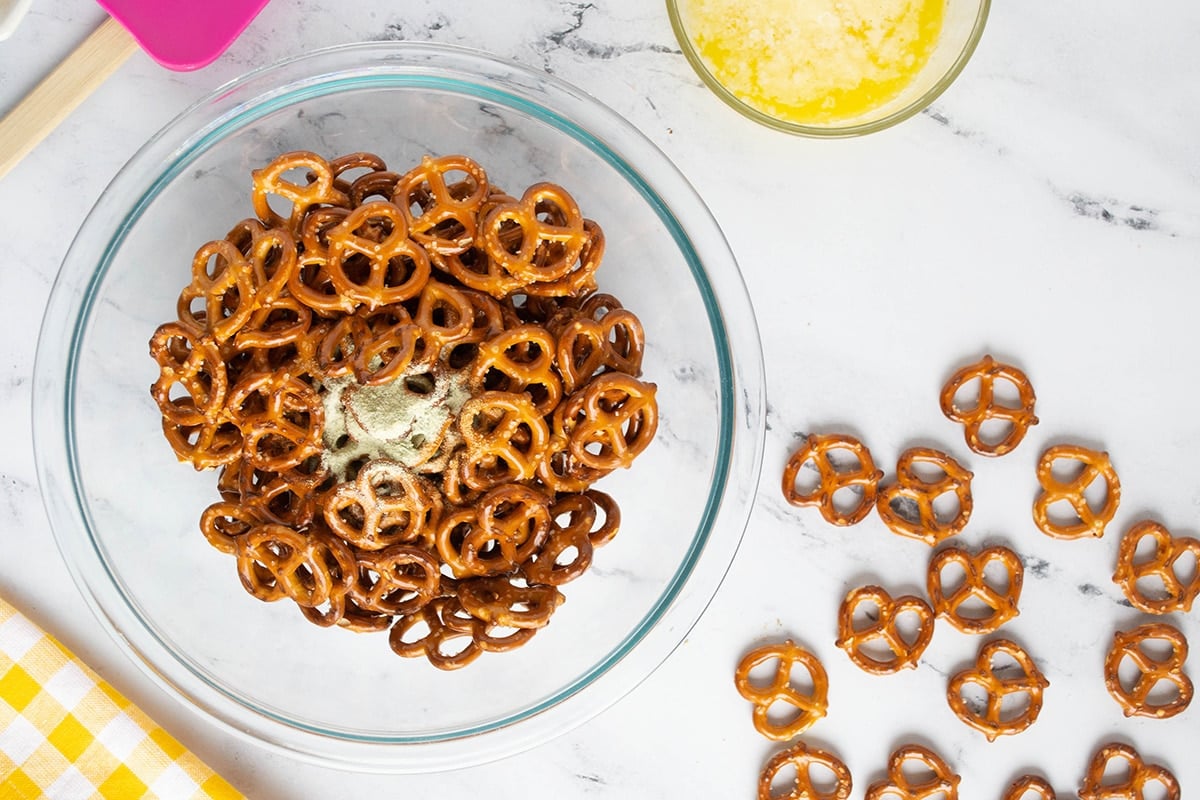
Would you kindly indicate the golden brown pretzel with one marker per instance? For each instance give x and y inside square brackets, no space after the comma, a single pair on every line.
[1020,419]
[505,438]
[551,234]
[910,486]
[223,522]
[581,279]
[319,189]
[1133,785]
[571,533]
[1022,786]
[187,358]
[520,359]
[438,616]
[511,523]
[1161,565]
[281,419]
[939,781]
[222,279]
[371,259]
[810,706]
[446,221]
[905,653]
[586,346]
[1135,699]
[1001,602]
[498,601]
[803,787]
[993,721]
[1091,522]
[817,448]
[312,569]
[385,504]
[620,418]
[398,580]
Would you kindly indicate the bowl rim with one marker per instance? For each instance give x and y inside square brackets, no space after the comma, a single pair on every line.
[918,105]
[739,352]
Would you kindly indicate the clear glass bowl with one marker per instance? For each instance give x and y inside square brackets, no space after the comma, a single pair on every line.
[125,512]
[962,28]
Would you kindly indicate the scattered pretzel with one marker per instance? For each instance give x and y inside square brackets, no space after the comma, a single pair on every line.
[905,653]
[810,707]
[818,450]
[938,781]
[992,721]
[1001,602]
[1133,787]
[986,408]
[1022,786]
[802,757]
[1091,521]
[1151,671]
[910,486]
[1161,565]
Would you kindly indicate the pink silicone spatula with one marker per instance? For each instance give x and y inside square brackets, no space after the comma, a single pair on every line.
[179,34]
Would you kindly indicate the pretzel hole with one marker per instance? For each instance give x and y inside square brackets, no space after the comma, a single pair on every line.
[1153,587]
[908,624]
[1066,470]
[907,509]
[823,780]
[416,632]
[993,430]
[784,782]
[916,772]
[928,472]
[1006,394]
[1096,493]
[355,466]
[511,236]
[946,507]
[847,499]
[967,397]
[808,479]
[974,608]
[1118,771]
[450,230]
[462,355]
[1014,705]
[781,713]
[279,204]
[1186,566]
[1062,514]
[399,270]
[1157,649]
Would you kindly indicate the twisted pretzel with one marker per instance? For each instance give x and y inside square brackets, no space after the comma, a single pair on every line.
[620,419]
[1091,521]
[1168,549]
[551,235]
[1001,603]
[447,212]
[1135,699]
[318,191]
[505,439]
[586,346]
[520,359]
[371,259]
[574,533]
[386,504]
[985,674]
[438,616]
[1022,786]
[312,569]
[803,757]
[905,653]
[281,419]
[222,523]
[222,278]
[188,359]
[510,523]
[397,580]
[986,408]
[910,486]
[940,781]
[809,707]
[498,601]
[1132,787]
[818,450]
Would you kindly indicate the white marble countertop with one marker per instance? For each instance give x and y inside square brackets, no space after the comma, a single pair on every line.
[1046,210]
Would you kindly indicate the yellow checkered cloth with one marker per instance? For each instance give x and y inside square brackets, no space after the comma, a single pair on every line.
[67,735]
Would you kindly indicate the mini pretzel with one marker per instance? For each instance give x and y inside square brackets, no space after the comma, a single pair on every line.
[187,358]
[1002,603]
[312,569]
[433,645]
[1091,521]
[573,533]
[1135,699]
[1132,787]
[809,707]
[986,408]
[551,234]
[386,504]
[221,277]
[371,259]
[912,487]
[318,191]
[397,580]
[586,346]
[905,653]
[447,213]
[223,522]
[985,674]
[499,601]
[940,782]
[580,280]
[1168,549]
[803,757]
[817,449]
[287,498]
[520,359]
[281,419]
[1022,786]
[620,420]
[512,523]
[505,439]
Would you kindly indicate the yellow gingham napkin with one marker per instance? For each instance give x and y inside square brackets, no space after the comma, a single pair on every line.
[67,735]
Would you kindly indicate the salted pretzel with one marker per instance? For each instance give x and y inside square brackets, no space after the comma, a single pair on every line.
[620,418]
[280,417]
[223,282]
[580,280]
[587,346]
[802,757]
[571,521]
[1175,594]
[1001,602]
[1019,419]
[319,190]
[440,642]
[372,260]
[385,504]
[505,439]
[512,523]
[936,780]
[818,449]
[993,721]
[1091,522]
[884,626]
[1134,698]
[500,601]
[521,359]
[313,569]
[810,706]
[446,221]
[910,487]
[223,522]
[1133,785]
[398,580]
[1021,788]
[551,234]
[286,498]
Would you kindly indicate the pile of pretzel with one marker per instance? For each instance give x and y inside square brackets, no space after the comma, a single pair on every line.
[977,603]
[351,273]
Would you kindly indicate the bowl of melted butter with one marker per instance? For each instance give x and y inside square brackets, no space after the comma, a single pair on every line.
[828,68]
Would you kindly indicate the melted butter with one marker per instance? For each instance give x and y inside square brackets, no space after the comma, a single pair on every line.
[394,421]
[815,62]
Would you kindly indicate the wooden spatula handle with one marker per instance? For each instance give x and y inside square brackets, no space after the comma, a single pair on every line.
[62,90]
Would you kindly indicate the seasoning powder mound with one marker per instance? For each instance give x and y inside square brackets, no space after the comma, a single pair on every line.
[814,61]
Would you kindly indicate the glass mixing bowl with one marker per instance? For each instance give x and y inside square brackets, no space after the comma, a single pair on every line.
[125,512]
[962,26]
